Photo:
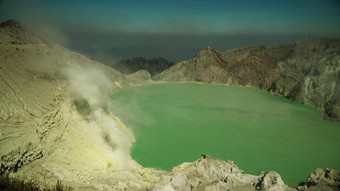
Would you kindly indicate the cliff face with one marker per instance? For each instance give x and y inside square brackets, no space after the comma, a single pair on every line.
[307,72]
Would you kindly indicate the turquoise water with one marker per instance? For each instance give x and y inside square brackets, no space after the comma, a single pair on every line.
[176,123]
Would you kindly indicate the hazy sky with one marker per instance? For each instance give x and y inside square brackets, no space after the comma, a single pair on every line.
[176,24]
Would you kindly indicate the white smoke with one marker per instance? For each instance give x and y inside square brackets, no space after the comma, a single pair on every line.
[92,86]
[89,83]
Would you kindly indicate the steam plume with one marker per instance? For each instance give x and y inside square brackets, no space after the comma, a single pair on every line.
[90,87]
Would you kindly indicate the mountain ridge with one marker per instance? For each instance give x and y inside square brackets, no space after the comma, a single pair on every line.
[153,66]
[12,32]
[305,72]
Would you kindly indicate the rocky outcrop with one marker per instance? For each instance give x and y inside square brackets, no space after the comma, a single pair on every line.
[322,179]
[140,77]
[311,75]
[306,72]
[208,173]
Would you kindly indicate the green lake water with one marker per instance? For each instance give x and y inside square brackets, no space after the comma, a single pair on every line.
[176,123]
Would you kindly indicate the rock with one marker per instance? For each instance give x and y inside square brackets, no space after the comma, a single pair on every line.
[140,77]
[322,179]
[207,173]
[271,181]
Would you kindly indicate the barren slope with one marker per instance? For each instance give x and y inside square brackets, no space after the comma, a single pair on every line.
[43,134]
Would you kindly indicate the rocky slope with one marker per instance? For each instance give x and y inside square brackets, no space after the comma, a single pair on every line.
[55,125]
[49,108]
[307,72]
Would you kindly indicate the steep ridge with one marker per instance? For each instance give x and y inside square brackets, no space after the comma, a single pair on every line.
[307,71]
[55,125]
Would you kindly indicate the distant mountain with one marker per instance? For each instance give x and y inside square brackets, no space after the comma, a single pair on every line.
[307,71]
[153,66]
[106,54]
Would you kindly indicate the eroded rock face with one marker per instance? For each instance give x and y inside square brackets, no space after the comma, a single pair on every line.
[271,181]
[322,179]
[306,72]
[208,173]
